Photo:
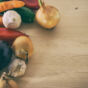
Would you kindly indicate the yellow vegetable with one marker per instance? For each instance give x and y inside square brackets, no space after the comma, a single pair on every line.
[23,47]
[47,16]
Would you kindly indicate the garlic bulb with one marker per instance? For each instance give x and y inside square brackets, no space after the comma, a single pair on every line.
[3,81]
[11,19]
[17,68]
[47,16]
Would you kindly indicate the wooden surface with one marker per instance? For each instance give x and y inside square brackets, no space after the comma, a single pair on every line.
[60,58]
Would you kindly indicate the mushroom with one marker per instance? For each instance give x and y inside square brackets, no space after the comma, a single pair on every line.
[11,19]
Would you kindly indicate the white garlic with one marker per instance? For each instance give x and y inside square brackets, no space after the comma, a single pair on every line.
[17,68]
[11,19]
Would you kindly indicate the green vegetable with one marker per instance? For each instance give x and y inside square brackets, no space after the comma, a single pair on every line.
[39,2]
[27,14]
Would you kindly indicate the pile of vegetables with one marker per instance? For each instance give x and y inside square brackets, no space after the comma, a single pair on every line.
[14,12]
[16,47]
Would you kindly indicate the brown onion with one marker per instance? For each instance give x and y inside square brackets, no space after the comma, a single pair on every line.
[47,16]
[23,47]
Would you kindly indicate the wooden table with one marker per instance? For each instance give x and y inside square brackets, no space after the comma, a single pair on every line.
[60,58]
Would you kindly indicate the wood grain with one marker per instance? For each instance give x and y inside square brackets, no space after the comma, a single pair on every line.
[60,58]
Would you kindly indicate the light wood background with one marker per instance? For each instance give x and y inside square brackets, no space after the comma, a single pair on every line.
[60,58]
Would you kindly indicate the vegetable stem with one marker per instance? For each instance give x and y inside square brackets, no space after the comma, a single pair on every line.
[40,3]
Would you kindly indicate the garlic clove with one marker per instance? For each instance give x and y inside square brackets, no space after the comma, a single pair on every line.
[3,81]
[12,84]
[7,82]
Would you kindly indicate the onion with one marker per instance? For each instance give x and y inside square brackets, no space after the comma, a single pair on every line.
[47,16]
[22,47]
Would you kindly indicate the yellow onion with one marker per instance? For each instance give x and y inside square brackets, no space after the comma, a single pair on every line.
[22,47]
[47,16]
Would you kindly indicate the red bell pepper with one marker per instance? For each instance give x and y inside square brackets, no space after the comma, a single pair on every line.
[33,4]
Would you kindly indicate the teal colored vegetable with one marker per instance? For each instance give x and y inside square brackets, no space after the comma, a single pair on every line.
[27,14]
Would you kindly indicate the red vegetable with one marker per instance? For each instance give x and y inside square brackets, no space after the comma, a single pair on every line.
[9,35]
[33,4]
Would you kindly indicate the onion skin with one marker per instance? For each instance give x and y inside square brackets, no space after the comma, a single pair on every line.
[47,16]
[22,46]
